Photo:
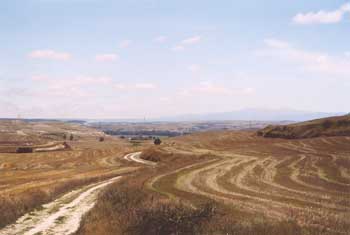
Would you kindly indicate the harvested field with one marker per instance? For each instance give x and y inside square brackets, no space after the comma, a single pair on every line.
[333,126]
[29,180]
[254,185]
[61,216]
[304,180]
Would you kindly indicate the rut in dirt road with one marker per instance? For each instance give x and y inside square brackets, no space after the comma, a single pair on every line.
[61,216]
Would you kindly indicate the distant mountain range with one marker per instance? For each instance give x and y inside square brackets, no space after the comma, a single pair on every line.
[274,115]
[254,114]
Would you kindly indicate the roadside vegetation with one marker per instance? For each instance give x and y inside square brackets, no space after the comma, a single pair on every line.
[29,180]
[334,126]
[127,208]
[219,182]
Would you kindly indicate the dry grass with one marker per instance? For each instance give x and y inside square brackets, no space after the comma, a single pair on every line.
[126,208]
[334,126]
[254,185]
[31,179]
[155,154]
[285,180]
[14,206]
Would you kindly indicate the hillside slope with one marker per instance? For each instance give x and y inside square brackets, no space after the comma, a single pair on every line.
[332,126]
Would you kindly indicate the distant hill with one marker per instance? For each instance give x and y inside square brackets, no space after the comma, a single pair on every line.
[332,126]
[254,114]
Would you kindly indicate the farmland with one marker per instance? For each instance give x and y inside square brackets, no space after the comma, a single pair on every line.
[251,184]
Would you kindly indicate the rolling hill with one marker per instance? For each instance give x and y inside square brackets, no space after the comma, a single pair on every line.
[332,126]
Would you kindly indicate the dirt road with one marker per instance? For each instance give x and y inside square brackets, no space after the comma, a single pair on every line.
[61,216]
[136,158]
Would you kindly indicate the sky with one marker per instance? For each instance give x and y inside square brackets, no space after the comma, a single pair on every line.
[156,58]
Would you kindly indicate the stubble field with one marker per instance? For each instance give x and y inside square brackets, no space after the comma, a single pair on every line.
[251,185]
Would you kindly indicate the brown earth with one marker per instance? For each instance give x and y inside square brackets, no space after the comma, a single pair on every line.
[28,180]
[293,186]
[333,126]
[254,185]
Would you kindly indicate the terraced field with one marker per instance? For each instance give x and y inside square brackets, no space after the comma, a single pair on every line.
[304,180]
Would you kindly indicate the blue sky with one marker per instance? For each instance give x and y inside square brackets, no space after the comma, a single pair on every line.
[137,58]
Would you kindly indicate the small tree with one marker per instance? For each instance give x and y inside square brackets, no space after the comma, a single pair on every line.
[157,141]
[64,136]
[71,137]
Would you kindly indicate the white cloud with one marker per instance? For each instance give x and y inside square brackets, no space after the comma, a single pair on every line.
[191,40]
[50,55]
[136,86]
[119,86]
[87,80]
[75,81]
[178,48]
[271,42]
[164,99]
[194,67]
[186,42]
[145,86]
[160,39]
[40,78]
[125,44]
[308,60]
[322,17]
[107,57]
[248,90]
[73,87]
[209,88]
[347,54]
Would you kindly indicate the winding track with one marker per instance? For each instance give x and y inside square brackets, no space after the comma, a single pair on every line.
[63,215]
[136,158]
[307,180]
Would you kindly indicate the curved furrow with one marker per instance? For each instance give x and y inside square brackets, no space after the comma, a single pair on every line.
[287,173]
[329,172]
[294,146]
[259,186]
[307,147]
[206,181]
[240,183]
[301,176]
[266,182]
[309,176]
[344,172]
[156,183]
[203,182]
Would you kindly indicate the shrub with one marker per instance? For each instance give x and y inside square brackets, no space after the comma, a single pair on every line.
[24,150]
[171,219]
[126,209]
[157,141]
[66,146]
[327,124]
